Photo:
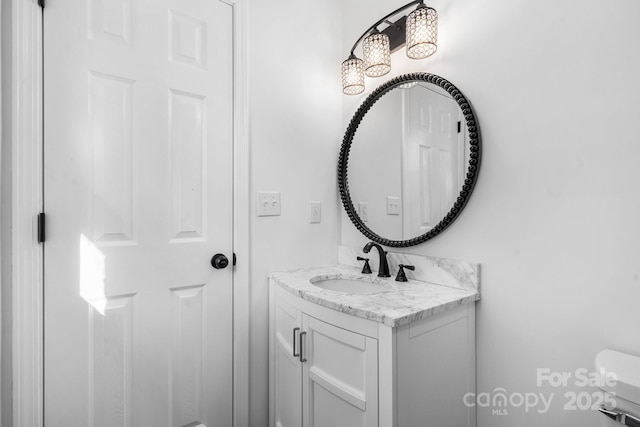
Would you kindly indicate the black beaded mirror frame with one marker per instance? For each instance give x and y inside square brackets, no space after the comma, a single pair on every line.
[472,170]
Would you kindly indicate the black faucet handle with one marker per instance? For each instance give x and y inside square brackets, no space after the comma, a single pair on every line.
[401,276]
[366,269]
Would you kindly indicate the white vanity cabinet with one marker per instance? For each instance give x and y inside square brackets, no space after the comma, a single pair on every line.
[324,375]
[332,369]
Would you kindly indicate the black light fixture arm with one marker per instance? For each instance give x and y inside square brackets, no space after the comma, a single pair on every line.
[374,26]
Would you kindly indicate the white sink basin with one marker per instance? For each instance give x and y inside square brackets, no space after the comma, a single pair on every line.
[350,286]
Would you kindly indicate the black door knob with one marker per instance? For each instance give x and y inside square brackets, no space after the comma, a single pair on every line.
[219,261]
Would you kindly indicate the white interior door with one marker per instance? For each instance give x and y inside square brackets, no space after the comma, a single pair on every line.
[432,159]
[138,196]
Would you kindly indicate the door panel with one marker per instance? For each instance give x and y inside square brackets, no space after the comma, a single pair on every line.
[138,195]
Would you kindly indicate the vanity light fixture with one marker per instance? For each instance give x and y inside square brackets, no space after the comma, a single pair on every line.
[418,31]
[422,32]
[352,75]
[377,56]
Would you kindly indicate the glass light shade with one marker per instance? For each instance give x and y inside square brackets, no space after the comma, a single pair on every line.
[422,32]
[352,76]
[377,56]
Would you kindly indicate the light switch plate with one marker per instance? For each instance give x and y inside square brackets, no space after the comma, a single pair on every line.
[316,212]
[363,211]
[268,203]
[393,205]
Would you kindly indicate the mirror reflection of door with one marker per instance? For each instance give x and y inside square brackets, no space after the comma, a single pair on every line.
[433,158]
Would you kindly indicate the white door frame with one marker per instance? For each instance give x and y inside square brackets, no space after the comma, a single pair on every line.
[27,201]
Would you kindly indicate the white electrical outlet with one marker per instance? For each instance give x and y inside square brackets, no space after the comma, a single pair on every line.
[268,203]
[316,212]
[393,205]
[363,211]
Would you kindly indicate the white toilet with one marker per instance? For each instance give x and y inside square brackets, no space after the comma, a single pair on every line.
[626,387]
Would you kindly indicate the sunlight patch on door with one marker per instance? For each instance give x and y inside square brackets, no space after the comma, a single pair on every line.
[92,274]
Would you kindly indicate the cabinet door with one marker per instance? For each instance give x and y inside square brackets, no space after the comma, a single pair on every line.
[288,372]
[339,377]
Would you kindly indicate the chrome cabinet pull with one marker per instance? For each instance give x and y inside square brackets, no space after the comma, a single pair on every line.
[302,359]
[294,342]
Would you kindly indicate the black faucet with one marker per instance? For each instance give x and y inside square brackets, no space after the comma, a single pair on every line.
[383,270]
[401,276]
[366,269]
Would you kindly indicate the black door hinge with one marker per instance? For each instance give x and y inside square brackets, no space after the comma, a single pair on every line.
[41,229]
[459,127]
[41,3]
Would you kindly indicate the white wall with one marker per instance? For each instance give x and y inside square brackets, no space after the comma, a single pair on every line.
[378,144]
[295,130]
[554,216]
[6,409]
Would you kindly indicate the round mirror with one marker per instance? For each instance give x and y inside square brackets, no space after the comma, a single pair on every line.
[409,160]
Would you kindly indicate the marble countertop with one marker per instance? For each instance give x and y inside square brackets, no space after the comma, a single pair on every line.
[400,303]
